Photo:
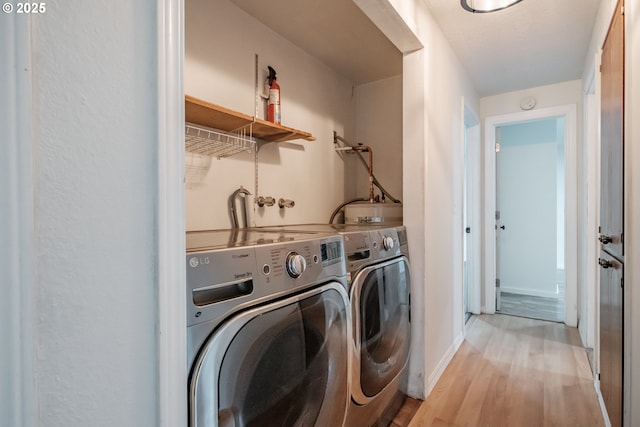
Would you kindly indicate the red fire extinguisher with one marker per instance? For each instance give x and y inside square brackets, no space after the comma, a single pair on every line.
[273,104]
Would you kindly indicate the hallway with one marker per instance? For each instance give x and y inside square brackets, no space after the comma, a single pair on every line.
[514,372]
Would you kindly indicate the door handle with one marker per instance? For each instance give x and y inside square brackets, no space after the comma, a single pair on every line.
[604,263]
[605,239]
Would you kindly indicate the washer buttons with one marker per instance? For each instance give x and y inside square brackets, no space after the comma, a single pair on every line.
[266,269]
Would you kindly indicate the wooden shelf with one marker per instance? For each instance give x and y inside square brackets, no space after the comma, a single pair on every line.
[214,116]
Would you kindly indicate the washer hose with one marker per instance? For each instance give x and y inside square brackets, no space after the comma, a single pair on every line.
[337,138]
[339,208]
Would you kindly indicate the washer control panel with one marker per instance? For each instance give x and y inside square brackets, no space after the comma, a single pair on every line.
[387,243]
[295,264]
[292,263]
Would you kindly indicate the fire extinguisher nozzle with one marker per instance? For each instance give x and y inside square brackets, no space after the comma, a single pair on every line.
[272,74]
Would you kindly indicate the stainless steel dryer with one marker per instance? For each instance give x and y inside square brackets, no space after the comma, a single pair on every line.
[380,293]
[268,329]
[380,286]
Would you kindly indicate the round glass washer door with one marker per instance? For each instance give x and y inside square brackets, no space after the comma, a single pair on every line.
[284,364]
[380,297]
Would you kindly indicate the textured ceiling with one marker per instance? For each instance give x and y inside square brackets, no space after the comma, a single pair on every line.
[534,43]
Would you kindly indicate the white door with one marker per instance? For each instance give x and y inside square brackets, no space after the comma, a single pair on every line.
[471,215]
[530,213]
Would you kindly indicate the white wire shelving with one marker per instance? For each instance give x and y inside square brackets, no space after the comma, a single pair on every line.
[220,144]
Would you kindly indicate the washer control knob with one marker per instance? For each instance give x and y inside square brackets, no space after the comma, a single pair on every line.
[296,264]
[387,243]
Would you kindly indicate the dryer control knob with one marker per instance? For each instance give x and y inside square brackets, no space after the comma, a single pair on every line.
[387,243]
[296,264]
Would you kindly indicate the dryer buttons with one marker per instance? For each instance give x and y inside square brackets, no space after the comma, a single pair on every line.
[387,243]
[295,264]
[266,269]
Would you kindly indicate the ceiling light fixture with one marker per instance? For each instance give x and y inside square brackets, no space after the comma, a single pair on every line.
[485,6]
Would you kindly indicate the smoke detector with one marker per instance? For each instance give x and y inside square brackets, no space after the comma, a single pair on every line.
[528,103]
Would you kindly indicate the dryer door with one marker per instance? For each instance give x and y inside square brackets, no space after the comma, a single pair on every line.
[282,364]
[380,303]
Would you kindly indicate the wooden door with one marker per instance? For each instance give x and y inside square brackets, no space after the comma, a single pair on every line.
[611,315]
[612,219]
[612,138]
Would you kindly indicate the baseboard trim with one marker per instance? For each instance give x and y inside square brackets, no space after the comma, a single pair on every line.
[603,408]
[442,365]
[530,292]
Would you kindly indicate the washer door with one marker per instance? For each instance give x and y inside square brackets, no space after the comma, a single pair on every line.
[380,298]
[282,364]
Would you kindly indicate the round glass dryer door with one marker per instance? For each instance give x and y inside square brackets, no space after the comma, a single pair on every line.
[380,298]
[282,365]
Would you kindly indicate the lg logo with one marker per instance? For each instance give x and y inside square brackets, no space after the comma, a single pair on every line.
[195,261]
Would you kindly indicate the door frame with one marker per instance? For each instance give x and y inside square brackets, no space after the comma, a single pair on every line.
[569,113]
[171,329]
[471,131]
[18,298]
[590,288]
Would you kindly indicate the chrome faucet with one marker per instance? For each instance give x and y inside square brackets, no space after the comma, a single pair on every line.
[241,193]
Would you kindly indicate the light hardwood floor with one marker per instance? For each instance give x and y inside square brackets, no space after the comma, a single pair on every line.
[534,307]
[514,372]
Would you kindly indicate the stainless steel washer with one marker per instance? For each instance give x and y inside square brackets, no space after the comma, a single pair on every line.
[380,293]
[379,288]
[268,327]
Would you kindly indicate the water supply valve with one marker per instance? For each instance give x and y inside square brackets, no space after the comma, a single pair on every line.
[286,203]
[265,201]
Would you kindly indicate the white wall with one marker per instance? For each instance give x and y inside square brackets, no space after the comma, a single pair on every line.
[434,84]
[379,124]
[554,95]
[93,114]
[221,41]
[589,178]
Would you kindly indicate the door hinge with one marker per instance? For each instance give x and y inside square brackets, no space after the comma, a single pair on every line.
[622,10]
[598,376]
[622,283]
[497,215]
[497,283]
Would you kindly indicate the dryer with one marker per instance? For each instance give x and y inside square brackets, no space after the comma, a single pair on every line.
[377,263]
[380,294]
[268,327]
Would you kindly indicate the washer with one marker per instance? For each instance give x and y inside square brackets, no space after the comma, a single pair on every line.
[380,291]
[268,329]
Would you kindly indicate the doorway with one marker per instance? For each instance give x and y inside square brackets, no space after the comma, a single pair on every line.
[569,230]
[471,214]
[530,170]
